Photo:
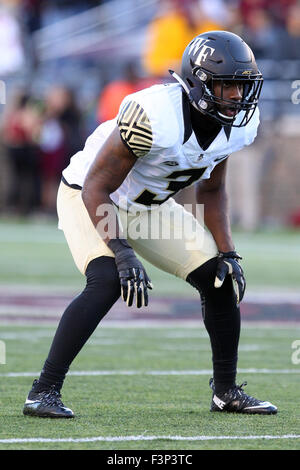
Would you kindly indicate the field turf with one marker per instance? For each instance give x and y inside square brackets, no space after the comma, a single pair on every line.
[151,382]
[37,254]
[139,387]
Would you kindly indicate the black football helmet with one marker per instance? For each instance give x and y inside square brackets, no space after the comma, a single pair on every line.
[219,57]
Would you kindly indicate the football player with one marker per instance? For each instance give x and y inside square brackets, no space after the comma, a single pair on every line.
[164,138]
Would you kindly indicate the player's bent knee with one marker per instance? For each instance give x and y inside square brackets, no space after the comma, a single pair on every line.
[102,273]
[203,279]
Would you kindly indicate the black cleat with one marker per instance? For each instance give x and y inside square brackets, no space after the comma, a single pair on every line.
[46,404]
[235,400]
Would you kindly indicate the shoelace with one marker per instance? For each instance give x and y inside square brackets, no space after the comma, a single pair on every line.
[243,397]
[52,397]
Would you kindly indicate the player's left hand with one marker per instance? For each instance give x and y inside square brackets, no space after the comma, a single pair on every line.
[228,263]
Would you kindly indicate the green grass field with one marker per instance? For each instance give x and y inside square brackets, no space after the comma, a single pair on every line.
[134,400]
[36,254]
[147,387]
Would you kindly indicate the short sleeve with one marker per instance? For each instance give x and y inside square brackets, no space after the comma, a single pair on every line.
[135,128]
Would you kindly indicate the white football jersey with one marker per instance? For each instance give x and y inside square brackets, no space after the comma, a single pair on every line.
[153,125]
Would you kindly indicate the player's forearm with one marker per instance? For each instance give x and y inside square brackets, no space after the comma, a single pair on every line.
[105,175]
[216,217]
[133,277]
[101,210]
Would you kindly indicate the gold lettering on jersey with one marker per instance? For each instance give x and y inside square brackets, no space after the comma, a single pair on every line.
[200,45]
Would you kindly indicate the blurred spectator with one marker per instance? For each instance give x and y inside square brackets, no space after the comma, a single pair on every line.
[12,53]
[263,34]
[32,14]
[292,40]
[171,30]
[216,11]
[294,219]
[20,132]
[61,137]
[113,93]
[278,9]
[272,28]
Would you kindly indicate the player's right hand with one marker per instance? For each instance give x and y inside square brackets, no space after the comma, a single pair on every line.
[133,277]
[135,284]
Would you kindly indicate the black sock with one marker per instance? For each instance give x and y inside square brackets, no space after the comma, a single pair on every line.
[80,319]
[221,318]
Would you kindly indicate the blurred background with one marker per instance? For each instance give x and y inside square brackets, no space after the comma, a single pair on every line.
[66,66]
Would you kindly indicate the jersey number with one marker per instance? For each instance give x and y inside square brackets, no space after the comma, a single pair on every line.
[193,174]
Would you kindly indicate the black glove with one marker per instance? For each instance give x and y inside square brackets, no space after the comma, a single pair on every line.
[228,263]
[133,277]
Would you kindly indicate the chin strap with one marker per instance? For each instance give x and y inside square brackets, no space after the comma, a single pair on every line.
[184,86]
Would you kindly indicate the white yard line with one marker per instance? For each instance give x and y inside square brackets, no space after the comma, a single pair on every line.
[146,438]
[153,372]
